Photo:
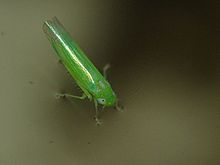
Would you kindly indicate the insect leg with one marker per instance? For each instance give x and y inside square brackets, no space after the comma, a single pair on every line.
[60,61]
[96,117]
[105,68]
[119,107]
[71,96]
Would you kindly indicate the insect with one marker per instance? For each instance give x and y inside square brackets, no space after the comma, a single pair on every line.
[93,84]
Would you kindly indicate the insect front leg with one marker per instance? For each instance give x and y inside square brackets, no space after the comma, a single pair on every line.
[105,68]
[96,117]
[119,107]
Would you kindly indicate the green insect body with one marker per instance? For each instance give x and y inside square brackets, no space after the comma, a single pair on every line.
[93,84]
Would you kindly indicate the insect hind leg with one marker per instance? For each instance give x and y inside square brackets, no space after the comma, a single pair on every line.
[65,95]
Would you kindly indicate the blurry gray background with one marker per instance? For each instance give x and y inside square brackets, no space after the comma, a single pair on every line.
[165,58]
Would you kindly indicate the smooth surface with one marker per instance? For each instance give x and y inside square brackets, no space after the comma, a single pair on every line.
[79,66]
[165,68]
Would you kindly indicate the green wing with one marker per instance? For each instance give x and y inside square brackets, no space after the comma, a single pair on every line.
[79,66]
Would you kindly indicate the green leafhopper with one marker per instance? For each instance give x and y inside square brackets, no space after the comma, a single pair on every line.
[93,84]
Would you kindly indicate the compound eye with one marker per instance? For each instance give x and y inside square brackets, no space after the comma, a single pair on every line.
[101,101]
